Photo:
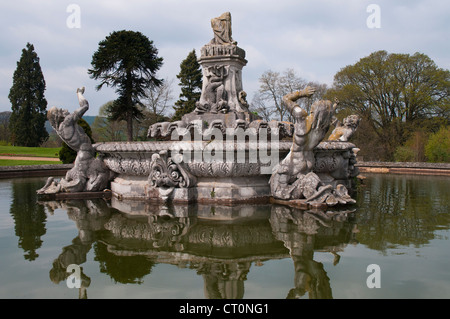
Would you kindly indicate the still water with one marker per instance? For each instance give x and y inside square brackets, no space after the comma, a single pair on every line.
[400,224]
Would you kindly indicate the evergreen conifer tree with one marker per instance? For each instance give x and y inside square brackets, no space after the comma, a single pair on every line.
[28,104]
[190,77]
[127,61]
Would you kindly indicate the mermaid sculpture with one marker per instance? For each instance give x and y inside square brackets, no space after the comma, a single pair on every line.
[293,177]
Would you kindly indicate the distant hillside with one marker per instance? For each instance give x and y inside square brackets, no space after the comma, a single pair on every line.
[88,118]
[4,116]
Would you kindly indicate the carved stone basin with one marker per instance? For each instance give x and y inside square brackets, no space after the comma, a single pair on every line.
[221,171]
[335,163]
[130,158]
[203,159]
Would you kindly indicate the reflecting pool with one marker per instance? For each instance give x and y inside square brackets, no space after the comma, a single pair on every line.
[137,250]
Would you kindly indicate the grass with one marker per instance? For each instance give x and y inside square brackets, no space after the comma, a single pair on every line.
[22,162]
[29,151]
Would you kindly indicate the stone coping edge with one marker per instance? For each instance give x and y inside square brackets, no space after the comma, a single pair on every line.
[404,165]
[34,170]
[441,169]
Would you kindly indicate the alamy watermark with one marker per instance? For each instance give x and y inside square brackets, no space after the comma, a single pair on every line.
[73,21]
[374,19]
[74,279]
[374,279]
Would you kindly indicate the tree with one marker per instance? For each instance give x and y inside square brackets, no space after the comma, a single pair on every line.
[394,94]
[128,61]
[413,150]
[158,98]
[191,81]
[5,134]
[268,102]
[437,148]
[28,103]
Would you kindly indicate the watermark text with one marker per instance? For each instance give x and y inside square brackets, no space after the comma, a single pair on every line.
[374,279]
[74,279]
[73,21]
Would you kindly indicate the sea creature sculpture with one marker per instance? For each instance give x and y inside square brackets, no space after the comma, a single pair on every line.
[293,177]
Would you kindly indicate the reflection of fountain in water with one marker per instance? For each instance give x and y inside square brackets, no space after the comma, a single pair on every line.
[304,232]
[220,243]
[89,216]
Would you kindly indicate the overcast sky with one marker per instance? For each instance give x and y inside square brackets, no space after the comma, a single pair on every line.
[315,38]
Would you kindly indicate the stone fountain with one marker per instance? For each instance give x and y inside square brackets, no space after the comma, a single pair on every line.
[221,152]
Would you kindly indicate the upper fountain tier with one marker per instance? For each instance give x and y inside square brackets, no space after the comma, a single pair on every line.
[222,103]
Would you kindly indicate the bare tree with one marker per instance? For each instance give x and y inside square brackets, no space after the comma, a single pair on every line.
[156,106]
[274,86]
[320,90]
[268,102]
[259,106]
[159,98]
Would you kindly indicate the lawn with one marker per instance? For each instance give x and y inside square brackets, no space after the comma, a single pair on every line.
[22,162]
[29,151]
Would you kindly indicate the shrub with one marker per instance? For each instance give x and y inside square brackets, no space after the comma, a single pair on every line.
[437,148]
[413,150]
[66,154]
[404,154]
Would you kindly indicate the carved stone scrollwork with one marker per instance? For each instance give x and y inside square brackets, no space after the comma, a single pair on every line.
[327,163]
[224,169]
[165,172]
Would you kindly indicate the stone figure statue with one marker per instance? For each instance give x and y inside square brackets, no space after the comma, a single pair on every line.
[215,93]
[89,172]
[293,177]
[222,29]
[243,99]
[65,124]
[343,131]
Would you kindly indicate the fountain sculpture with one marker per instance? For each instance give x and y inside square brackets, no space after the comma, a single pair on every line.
[221,152]
[89,172]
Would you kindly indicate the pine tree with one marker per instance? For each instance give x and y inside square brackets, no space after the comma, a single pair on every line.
[128,61]
[190,77]
[28,104]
